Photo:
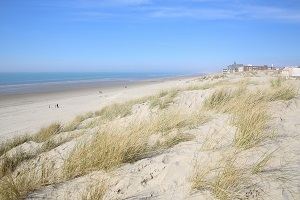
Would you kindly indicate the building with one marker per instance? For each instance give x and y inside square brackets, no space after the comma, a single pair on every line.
[291,72]
[243,68]
[233,67]
[258,68]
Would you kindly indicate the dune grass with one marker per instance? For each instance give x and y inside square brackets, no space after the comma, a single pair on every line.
[108,149]
[73,125]
[262,163]
[9,164]
[206,86]
[223,179]
[251,122]
[113,146]
[115,110]
[95,191]
[29,179]
[47,132]
[249,109]
[284,92]
[10,144]
[163,99]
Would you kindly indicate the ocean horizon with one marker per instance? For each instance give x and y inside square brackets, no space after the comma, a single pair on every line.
[29,82]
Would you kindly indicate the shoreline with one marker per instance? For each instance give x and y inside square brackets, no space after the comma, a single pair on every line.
[61,86]
[26,113]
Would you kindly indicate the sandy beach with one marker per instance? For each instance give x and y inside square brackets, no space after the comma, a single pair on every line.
[26,113]
[212,137]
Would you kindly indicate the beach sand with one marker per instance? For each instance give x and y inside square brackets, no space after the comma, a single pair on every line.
[26,113]
[190,150]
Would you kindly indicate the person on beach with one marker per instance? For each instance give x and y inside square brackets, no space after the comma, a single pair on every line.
[57,105]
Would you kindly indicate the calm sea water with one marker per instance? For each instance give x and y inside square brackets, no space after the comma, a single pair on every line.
[21,83]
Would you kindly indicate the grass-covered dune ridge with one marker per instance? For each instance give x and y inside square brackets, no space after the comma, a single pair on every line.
[215,135]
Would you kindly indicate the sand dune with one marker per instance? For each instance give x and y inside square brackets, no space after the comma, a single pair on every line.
[166,143]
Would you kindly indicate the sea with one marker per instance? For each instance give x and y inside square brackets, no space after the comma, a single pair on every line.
[24,83]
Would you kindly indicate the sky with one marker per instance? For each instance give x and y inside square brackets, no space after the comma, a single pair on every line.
[184,36]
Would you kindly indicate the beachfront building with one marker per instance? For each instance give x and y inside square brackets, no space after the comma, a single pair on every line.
[244,68]
[291,72]
[233,67]
[257,68]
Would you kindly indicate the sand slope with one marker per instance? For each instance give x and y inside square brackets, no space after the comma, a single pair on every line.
[169,173]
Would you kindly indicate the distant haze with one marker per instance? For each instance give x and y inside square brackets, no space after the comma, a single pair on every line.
[180,36]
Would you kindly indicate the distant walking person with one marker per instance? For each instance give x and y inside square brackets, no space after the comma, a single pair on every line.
[49,106]
[57,106]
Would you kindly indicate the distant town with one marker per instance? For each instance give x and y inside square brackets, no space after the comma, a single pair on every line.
[287,72]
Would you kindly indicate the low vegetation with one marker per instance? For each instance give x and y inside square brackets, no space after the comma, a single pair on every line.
[112,146]
[108,149]
[73,125]
[47,132]
[8,164]
[249,109]
[10,144]
[163,99]
[29,179]
[95,191]
[223,179]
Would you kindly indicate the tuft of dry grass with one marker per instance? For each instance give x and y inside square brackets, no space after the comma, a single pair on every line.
[10,144]
[223,179]
[251,122]
[10,163]
[47,132]
[115,110]
[168,120]
[219,99]
[206,86]
[163,98]
[276,82]
[249,109]
[29,179]
[95,191]
[283,92]
[211,142]
[108,149]
[230,181]
[261,164]
[113,146]
[73,125]
[173,140]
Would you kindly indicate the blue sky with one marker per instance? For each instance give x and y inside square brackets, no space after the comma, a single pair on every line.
[147,35]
